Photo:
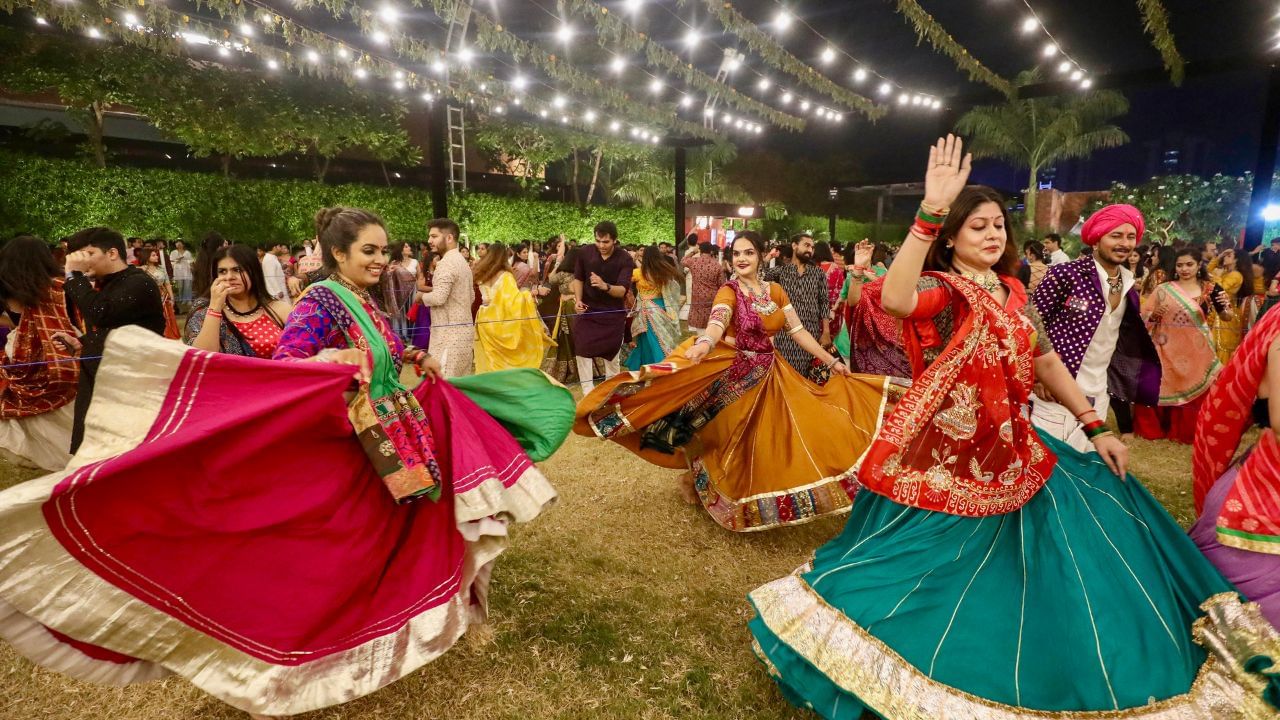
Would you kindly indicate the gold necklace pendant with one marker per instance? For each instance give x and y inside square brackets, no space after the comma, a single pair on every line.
[988,280]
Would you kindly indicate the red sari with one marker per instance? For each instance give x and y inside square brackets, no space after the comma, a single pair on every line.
[277,587]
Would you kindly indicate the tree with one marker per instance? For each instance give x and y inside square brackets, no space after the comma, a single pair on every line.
[1189,207]
[1035,133]
[88,77]
[650,181]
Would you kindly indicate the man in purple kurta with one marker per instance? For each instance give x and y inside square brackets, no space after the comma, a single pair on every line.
[1099,335]
[601,278]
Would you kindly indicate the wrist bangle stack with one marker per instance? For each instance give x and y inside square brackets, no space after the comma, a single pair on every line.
[1096,429]
[928,222]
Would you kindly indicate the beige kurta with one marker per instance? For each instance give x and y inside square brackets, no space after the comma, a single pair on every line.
[453,332]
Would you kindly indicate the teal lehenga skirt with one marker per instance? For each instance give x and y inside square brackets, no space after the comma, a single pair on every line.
[1089,598]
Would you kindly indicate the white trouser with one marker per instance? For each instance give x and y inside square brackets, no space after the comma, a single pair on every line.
[587,371]
[1058,421]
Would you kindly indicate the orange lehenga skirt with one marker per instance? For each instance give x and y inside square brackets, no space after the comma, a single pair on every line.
[767,447]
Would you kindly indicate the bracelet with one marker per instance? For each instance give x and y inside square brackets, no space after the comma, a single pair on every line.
[934,210]
[921,236]
[1095,429]
[213,313]
[929,218]
[1080,415]
[1104,433]
[834,362]
[704,339]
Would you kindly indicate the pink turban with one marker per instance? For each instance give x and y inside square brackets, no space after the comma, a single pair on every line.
[1109,218]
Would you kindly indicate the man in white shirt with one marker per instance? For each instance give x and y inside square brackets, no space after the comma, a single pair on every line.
[1090,311]
[452,290]
[1053,249]
[273,273]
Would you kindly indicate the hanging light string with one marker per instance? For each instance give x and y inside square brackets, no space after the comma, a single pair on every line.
[1070,66]
[763,82]
[887,89]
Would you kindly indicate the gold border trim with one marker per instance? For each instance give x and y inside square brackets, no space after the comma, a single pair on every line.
[862,665]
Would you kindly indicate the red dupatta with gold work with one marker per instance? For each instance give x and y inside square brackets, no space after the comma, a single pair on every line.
[39,376]
[1250,516]
[960,441]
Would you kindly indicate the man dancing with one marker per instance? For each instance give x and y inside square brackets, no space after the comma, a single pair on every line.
[1090,309]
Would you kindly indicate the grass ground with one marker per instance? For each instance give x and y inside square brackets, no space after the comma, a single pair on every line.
[620,602]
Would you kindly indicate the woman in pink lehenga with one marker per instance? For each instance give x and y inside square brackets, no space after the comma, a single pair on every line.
[175,542]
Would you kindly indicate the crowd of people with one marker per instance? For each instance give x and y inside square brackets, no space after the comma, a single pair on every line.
[952,396]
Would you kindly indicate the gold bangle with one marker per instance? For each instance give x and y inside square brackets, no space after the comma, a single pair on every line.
[935,211]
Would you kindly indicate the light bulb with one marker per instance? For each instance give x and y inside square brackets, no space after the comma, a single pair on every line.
[763,84]
[1050,50]
[1086,83]
[692,38]
[738,123]
[804,104]
[223,51]
[389,14]
[903,99]
[786,98]
[1077,75]
[633,5]
[727,117]
[565,33]
[344,53]
[708,111]
[686,101]
[654,139]
[1064,66]
[615,126]
[519,82]
[617,64]
[828,55]
[859,75]
[589,116]
[95,33]
[1030,25]
[655,86]
[783,20]
[379,37]
[313,56]
[273,65]
[399,85]
[130,19]
[399,75]
[484,87]
[361,73]
[885,88]
[559,101]
[426,97]
[41,21]
[438,67]
[246,29]
[465,54]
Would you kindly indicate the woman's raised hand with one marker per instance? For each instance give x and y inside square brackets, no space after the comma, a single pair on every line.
[948,172]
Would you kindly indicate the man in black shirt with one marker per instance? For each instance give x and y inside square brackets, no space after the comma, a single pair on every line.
[125,296]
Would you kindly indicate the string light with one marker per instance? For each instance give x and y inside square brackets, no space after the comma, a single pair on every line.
[633,5]
[763,84]
[904,98]
[885,88]
[438,67]
[558,101]
[465,55]
[783,20]
[95,33]
[654,139]
[786,98]
[859,75]
[273,65]
[1050,50]
[804,104]
[426,97]
[589,116]
[542,113]
[1086,83]
[655,86]
[519,82]
[223,51]
[399,75]
[565,33]
[692,38]
[398,84]
[615,126]
[727,118]
[41,21]
[361,73]
[1029,25]
[1077,75]
[246,29]
[1064,67]
[344,53]
[380,37]
[389,14]
[686,101]
[828,55]
[617,64]
[708,112]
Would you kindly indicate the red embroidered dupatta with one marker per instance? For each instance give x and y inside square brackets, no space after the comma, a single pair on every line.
[960,441]
[28,387]
[1250,517]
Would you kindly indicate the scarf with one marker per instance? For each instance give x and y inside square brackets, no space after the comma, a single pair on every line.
[389,422]
[960,441]
[1250,517]
[32,388]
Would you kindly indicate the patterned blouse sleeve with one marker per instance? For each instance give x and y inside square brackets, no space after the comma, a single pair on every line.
[305,332]
[722,307]
[932,297]
[1044,345]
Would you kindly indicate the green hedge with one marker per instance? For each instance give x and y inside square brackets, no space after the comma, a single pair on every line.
[846,230]
[54,198]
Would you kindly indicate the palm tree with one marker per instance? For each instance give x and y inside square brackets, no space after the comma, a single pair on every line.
[650,181]
[1036,133]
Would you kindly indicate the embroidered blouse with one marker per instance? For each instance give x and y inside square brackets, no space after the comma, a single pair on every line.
[726,302]
[313,327]
[934,320]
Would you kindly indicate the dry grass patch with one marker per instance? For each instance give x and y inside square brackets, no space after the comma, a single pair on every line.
[620,602]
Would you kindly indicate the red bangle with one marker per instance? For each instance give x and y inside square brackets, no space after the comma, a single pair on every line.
[1090,427]
[213,313]
[1082,413]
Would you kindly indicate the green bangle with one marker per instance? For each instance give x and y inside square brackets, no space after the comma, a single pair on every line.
[931,219]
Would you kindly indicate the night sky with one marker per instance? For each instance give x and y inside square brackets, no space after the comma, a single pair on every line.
[1213,120]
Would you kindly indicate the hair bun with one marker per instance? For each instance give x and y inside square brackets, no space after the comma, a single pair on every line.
[325,217]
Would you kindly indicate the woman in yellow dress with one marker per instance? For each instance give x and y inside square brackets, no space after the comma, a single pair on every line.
[764,446]
[509,333]
[1236,279]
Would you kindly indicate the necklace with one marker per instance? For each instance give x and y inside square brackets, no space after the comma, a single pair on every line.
[1115,284]
[362,293]
[231,308]
[761,302]
[988,280]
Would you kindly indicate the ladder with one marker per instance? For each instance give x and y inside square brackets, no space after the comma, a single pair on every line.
[732,59]
[457,149]
[455,39]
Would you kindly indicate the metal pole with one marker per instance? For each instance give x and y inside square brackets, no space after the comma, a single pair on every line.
[833,194]
[879,214]
[681,169]
[437,155]
[1265,167]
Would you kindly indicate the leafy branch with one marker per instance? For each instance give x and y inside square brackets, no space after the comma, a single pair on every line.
[927,28]
[1155,20]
